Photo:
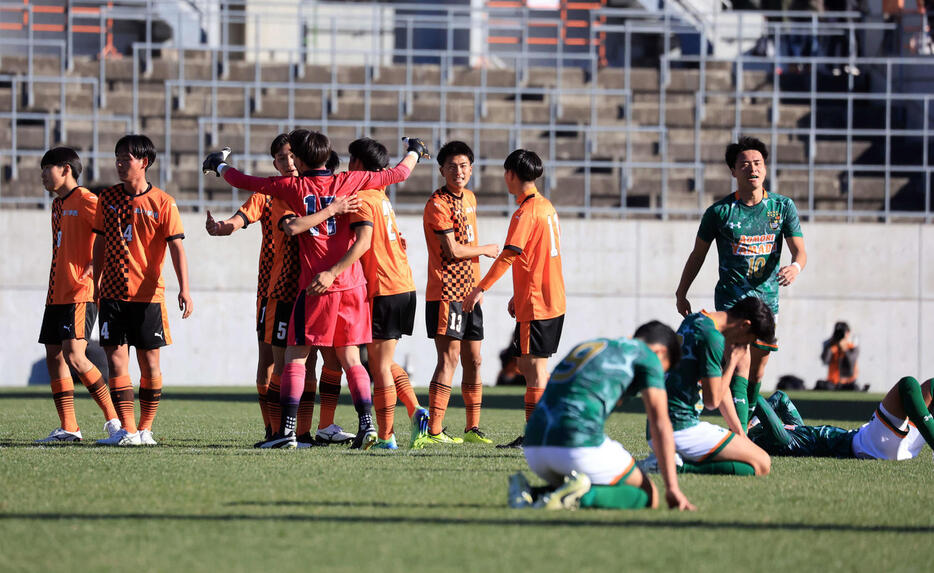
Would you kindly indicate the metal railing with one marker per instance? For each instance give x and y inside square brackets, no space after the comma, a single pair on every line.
[524,60]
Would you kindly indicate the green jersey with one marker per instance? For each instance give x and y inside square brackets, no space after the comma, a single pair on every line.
[701,357]
[586,386]
[806,441]
[749,245]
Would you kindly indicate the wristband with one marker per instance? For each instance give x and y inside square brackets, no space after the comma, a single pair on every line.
[796,265]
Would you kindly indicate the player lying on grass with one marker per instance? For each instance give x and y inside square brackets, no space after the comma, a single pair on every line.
[565,443]
[700,378]
[330,309]
[898,429]
[277,286]
[69,306]
[391,294]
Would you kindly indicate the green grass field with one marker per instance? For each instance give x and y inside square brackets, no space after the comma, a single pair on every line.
[205,500]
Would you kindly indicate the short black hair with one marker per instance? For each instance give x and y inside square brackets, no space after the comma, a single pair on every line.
[527,165]
[312,147]
[137,145]
[278,143]
[371,153]
[759,316]
[333,163]
[745,144]
[453,149]
[655,332]
[62,156]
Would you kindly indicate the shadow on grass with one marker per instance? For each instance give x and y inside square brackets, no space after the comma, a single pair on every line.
[363,504]
[370,520]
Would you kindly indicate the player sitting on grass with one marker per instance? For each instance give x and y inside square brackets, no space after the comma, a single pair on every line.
[391,292]
[69,306]
[898,429]
[705,447]
[565,443]
[331,308]
[135,223]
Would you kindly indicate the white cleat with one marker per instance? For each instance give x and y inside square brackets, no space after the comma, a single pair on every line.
[60,436]
[121,438]
[145,438]
[111,427]
[568,496]
[520,492]
[333,434]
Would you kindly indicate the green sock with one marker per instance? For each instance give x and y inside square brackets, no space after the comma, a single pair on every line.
[785,408]
[917,410]
[771,422]
[717,467]
[739,389]
[619,496]
[752,395]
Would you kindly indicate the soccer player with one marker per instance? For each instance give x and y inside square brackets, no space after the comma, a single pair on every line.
[898,429]
[450,223]
[331,308]
[533,243]
[748,227]
[391,292]
[700,379]
[135,223]
[69,305]
[276,289]
[565,443]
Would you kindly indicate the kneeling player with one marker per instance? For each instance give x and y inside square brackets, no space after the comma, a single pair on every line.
[564,440]
[898,429]
[705,447]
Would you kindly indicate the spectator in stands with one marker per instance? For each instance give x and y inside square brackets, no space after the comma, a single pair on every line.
[838,44]
[894,12]
[841,356]
[796,41]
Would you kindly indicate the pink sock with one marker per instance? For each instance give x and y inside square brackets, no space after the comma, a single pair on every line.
[358,380]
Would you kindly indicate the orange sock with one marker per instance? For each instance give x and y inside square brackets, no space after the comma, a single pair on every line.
[330,392]
[63,393]
[532,396]
[473,397]
[438,396]
[404,388]
[262,388]
[306,406]
[121,393]
[150,391]
[384,400]
[94,382]
[273,407]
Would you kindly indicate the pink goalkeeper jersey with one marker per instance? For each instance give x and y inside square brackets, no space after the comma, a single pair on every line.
[322,246]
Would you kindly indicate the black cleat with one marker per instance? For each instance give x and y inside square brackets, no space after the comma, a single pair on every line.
[517,443]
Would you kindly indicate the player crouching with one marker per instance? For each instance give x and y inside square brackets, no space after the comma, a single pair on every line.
[565,443]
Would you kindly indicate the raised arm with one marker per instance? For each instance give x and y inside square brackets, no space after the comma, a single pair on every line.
[691,268]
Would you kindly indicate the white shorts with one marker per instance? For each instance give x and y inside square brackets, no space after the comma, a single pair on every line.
[882,440]
[605,464]
[701,442]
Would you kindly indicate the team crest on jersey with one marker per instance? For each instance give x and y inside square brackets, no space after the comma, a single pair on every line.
[775,220]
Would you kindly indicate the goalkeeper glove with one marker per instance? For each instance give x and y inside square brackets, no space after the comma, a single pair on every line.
[214,160]
[418,146]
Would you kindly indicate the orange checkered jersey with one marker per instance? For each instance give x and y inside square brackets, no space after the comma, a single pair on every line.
[450,279]
[286,264]
[385,265]
[258,207]
[72,247]
[136,230]
[537,281]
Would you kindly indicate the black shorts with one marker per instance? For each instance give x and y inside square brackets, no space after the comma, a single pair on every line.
[261,303]
[539,338]
[275,326]
[67,322]
[393,315]
[144,325]
[449,319]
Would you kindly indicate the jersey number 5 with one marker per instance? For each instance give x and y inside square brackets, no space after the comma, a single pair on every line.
[313,204]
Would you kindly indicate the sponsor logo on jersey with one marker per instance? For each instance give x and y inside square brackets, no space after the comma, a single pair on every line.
[70,212]
[749,245]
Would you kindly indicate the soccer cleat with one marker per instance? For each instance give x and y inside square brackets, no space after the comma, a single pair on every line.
[113,426]
[365,439]
[60,436]
[419,428]
[306,440]
[280,441]
[475,436]
[569,495]
[443,438]
[520,492]
[121,438]
[389,444]
[145,438]
[333,434]
[649,465]
[517,443]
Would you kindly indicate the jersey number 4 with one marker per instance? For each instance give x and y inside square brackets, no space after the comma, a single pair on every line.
[313,204]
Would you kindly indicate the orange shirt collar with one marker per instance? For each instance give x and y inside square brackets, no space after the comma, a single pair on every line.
[710,316]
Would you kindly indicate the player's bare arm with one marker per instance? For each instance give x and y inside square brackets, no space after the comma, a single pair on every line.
[323,280]
[222,228]
[499,268]
[453,249]
[345,204]
[97,254]
[727,408]
[691,268]
[656,408]
[180,263]
[799,259]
